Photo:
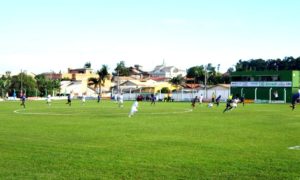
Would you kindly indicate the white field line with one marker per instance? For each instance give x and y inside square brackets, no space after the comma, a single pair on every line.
[21,111]
[294,148]
[177,112]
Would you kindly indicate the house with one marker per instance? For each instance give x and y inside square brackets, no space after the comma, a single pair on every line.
[82,74]
[147,86]
[192,86]
[77,88]
[167,71]
[159,79]
[137,72]
[216,90]
[52,75]
[78,82]
[118,80]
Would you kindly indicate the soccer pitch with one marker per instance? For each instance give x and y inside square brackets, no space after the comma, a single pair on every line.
[165,141]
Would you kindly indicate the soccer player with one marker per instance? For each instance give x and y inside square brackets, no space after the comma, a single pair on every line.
[99,98]
[218,100]
[228,105]
[14,95]
[116,98]
[69,100]
[23,99]
[49,100]
[152,99]
[213,97]
[234,103]
[276,95]
[201,99]
[242,100]
[194,102]
[83,99]
[295,98]
[133,108]
[121,100]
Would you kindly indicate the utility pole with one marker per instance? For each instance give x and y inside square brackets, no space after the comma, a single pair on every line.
[21,76]
[118,82]
[194,85]
[205,81]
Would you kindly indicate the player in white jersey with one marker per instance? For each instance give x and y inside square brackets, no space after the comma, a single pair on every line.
[234,103]
[49,100]
[201,99]
[83,99]
[133,108]
[116,98]
[121,100]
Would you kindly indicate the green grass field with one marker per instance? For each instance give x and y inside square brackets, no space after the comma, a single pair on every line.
[166,141]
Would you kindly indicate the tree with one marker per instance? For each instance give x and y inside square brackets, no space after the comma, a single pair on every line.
[100,80]
[225,78]
[210,68]
[41,84]
[165,90]
[121,69]
[196,72]
[5,82]
[218,68]
[23,83]
[242,65]
[288,63]
[177,81]
[211,74]
[230,70]
[45,85]
[87,65]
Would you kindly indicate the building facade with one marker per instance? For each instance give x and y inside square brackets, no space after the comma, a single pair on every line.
[78,82]
[167,72]
[265,86]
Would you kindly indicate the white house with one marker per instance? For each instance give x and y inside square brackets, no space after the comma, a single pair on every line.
[221,89]
[167,71]
[77,88]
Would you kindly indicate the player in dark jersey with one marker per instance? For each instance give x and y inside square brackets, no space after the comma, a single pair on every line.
[23,99]
[194,101]
[228,105]
[295,99]
[218,100]
[69,100]
[152,99]
[99,98]
[242,100]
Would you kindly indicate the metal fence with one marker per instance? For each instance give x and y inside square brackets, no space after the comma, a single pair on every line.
[29,93]
[181,95]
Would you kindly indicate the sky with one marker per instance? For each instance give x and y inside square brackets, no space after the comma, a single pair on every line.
[52,35]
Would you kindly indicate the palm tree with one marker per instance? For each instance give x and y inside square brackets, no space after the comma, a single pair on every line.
[100,80]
